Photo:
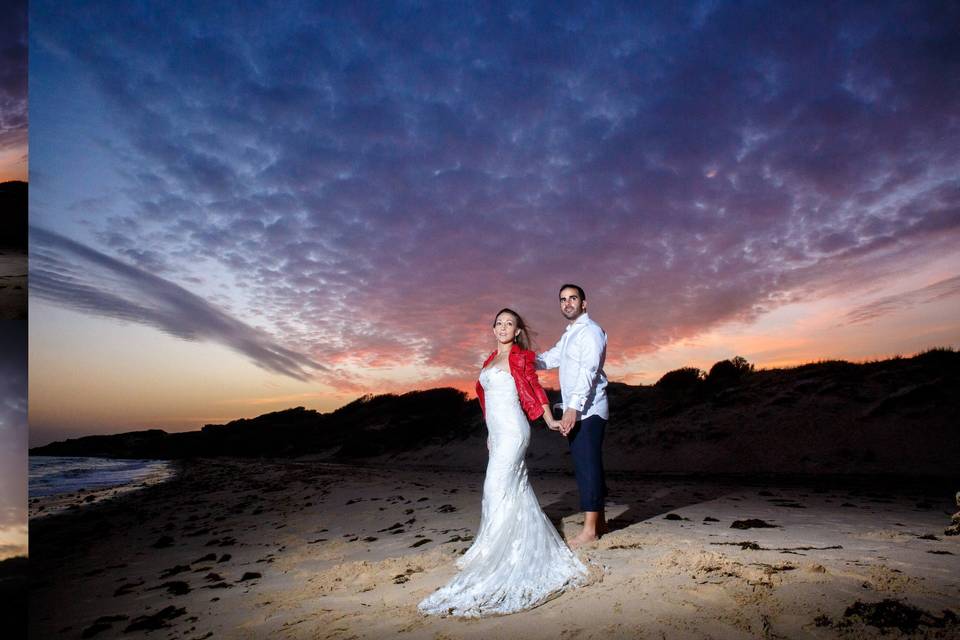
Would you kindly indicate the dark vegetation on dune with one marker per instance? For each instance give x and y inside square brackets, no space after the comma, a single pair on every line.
[13,215]
[896,416]
[368,426]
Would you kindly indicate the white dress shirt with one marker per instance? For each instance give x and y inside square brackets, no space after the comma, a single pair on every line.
[580,353]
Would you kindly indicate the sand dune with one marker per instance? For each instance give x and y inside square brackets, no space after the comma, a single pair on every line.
[894,417]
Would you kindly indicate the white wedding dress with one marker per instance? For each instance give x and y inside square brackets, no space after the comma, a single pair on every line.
[518,559]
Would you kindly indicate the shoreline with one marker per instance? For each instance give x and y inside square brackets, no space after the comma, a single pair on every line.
[39,507]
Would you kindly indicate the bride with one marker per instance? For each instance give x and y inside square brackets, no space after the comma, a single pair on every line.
[518,560]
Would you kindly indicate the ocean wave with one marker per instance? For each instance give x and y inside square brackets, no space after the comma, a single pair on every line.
[56,475]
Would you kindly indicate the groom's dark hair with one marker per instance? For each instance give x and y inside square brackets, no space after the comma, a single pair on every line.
[583,296]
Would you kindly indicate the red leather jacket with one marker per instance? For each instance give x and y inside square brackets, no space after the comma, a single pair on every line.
[524,370]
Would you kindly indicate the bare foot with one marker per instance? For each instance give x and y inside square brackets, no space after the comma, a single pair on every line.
[582,538]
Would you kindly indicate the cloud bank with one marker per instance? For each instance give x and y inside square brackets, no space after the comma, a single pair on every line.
[13,76]
[84,279]
[373,183]
[889,304]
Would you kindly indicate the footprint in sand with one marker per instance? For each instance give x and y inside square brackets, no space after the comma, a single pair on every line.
[753,523]
[101,624]
[172,571]
[158,620]
[163,542]
[174,587]
[124,589]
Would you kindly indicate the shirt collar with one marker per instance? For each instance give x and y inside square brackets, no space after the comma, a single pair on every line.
[583,318]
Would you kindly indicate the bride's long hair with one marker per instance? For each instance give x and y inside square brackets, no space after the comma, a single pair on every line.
[524,339]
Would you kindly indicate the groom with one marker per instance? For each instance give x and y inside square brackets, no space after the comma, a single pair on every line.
[579,354]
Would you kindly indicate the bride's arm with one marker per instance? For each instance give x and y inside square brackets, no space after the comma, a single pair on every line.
[530,374]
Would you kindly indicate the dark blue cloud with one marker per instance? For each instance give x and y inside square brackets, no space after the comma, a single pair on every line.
[411,167]
[13,75]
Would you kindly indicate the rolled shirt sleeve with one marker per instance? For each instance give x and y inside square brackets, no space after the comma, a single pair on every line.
[580,354]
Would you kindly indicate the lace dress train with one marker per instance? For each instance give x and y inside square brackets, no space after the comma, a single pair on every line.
[517,560]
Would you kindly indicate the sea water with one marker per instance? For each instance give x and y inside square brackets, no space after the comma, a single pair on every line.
[54,475]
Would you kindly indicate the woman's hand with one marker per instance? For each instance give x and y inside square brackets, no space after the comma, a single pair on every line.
[569,420]
[552,423]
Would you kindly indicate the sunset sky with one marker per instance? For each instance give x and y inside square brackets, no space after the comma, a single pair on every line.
[13,91]
[239,212]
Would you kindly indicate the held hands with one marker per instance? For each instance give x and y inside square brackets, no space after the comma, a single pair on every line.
[548,418]
[568,421]
[565,424]
[552,424]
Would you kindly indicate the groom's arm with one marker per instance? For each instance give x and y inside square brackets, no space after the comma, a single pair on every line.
[590,345]
[549,359]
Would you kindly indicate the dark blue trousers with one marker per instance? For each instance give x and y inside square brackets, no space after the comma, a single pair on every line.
[586,442]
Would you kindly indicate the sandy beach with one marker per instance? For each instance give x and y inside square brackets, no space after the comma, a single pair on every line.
[13,284]
[301,549]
